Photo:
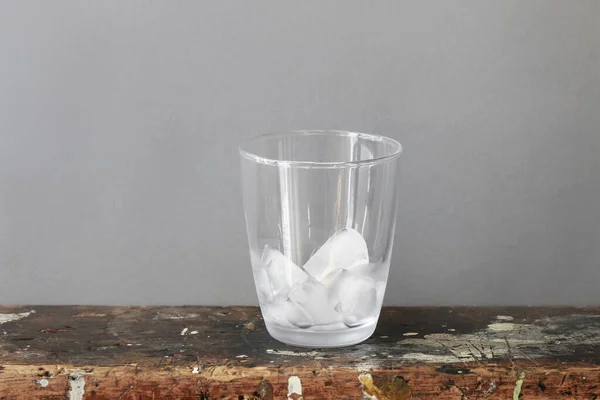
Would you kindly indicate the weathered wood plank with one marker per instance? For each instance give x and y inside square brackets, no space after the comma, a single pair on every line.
[215,352]
[484,381]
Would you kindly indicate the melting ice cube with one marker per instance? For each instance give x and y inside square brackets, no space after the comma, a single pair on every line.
[263,286]
[309,305]
[284,276]
[377,271]
[345,249]
[354,295]
[275,313]
[365,310]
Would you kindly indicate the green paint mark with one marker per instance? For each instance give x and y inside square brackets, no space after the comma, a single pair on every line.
[517,392]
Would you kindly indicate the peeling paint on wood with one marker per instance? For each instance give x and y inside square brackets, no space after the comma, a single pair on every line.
[77,386]
[518,386]
[4,318]
[501,326]
[504,318]
[42,382]
[265,390]
[294,388]
[132,382]
[140,352]
[295,353]
[385,387]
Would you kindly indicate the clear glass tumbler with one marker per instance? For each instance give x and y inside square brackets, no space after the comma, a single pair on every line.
[320,213]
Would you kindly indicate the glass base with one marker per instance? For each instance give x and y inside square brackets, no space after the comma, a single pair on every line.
[323,338]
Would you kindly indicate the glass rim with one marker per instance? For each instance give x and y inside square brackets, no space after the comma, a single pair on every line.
[395,145]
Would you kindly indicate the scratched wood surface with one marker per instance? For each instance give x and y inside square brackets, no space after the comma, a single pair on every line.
[225,353]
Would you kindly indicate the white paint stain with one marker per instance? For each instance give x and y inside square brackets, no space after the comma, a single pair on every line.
[77,384]
[241,356]
[294,353]
[176,316]
[504,318]
[195,370]
[294,386]
[538,339]
[518,385]
[366,366]
[451,330]
[491,388]
[184,331]
[430,358]
[4,318]
[411,334]
[501,326]
[42,382]
[193,332]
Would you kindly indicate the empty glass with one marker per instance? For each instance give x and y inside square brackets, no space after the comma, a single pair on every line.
[320,213]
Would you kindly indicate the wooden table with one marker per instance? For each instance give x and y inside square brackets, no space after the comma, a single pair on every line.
[198,353]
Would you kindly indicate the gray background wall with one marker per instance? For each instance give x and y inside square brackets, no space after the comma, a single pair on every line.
[119,122]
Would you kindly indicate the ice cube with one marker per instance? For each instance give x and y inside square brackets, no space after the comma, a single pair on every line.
[365,310]
[298,316]
[331,280]
[263,286]
[284,276]
[345,289]
[345,249]
[354,295]
[378,271]
[275,313]
[309,305]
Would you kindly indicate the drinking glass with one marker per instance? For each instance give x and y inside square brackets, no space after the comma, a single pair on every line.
[320,211]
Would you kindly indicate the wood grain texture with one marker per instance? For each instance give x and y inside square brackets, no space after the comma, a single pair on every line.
[215,352]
